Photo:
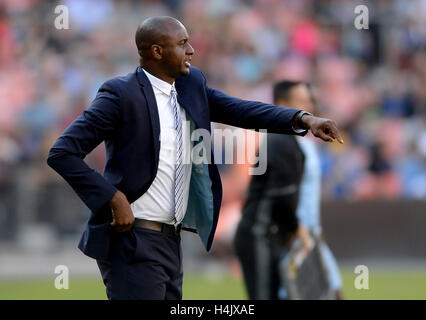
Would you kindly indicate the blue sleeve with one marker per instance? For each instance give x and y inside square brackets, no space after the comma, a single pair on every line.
[96,124]
[250,114]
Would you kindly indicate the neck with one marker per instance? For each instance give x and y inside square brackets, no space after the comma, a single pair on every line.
[156,72]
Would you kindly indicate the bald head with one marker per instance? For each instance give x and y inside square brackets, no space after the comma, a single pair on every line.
[155,30]
[164,49]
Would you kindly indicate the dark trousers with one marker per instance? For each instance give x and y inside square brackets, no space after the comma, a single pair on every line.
[259,261]
[143,265]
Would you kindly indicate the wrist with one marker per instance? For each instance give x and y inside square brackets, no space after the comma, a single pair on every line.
[303,119]
[117,199]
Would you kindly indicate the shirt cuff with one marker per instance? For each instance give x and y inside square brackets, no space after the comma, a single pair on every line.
[298,130]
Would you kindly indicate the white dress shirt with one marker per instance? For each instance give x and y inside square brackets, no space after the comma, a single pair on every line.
[157,203]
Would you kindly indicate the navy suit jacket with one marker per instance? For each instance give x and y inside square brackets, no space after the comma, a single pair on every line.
[124,115]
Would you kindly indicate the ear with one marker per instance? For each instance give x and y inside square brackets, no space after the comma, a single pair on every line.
[157,51]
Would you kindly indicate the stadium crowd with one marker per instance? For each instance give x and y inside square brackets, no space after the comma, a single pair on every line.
[371,81]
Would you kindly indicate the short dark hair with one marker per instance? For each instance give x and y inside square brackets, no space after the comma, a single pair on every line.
[282,89]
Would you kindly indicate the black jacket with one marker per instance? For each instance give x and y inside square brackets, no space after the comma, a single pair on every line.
[272,197]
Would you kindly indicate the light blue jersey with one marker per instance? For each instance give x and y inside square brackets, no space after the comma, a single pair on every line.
[308,209]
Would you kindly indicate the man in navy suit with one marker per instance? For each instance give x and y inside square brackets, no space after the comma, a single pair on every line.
[150,190]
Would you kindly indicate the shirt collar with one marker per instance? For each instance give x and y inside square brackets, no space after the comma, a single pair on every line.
[161,85]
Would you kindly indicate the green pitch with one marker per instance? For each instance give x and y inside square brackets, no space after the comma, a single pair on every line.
[383,284]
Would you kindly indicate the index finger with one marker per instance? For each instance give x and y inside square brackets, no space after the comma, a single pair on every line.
[335,133]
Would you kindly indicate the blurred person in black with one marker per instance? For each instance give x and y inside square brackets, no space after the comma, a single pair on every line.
[279,206]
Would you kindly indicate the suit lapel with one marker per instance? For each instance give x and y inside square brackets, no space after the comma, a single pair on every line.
[146,88]
[184,99]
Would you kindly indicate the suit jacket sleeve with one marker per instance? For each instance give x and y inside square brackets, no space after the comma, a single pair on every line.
[96,124]
[250,114]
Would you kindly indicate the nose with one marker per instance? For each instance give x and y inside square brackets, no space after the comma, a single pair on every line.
[190,50]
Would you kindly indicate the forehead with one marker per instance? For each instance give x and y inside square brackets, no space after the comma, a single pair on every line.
[177,32]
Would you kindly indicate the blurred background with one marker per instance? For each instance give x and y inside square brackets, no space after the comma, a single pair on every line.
[372,82]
